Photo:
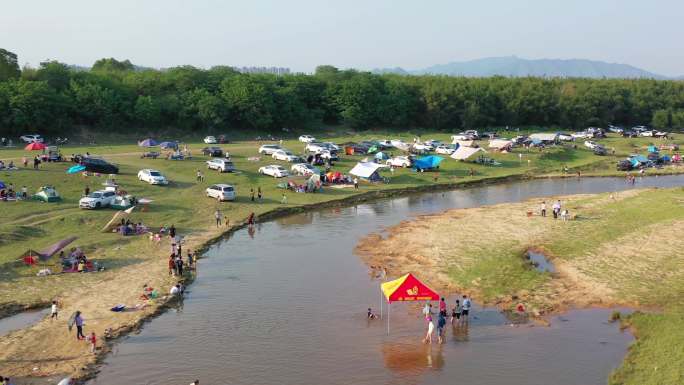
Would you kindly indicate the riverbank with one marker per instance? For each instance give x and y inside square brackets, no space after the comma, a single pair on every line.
[132,262]
[621,249]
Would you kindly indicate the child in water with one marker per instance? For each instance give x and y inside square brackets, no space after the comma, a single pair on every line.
[371,315]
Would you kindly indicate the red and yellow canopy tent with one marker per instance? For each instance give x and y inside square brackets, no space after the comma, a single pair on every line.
[403,289]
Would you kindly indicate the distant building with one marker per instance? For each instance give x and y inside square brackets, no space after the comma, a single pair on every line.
[263,70]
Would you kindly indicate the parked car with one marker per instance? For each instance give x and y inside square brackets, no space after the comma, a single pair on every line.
[624,165]
[274,170]
[595,132]
[221,165]
[314,147]
[472,134]
[210,139]
[304,169]
[285,155]
[639,128]
[445,150]
[358,148]
[421,147]
[660,134]
[53,154]
[386,143]
[331,146]
[268,149]
[590,144]
[616,129]
[221,192]
[212,151]
[97,199]
[433,143]
[32,138]
[307,139]
[400,161]
[565,137]
[580,135]
[648,133]
[600,150]
[629,134]
[99,165]
[152,176]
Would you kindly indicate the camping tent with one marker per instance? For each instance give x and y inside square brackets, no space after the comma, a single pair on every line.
[637,160]
[47,252]
[463,153]
[427,162]
[147,143]
[500,144]
[652,149]
[116,219]
[464,143]
[403,289]
[168,145]
[366,170]
[381,156]
[544,137]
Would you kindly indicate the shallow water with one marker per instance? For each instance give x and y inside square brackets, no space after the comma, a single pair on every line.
[22,320]
[541,263]
[285,304]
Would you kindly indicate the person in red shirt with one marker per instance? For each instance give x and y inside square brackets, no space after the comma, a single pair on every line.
[442,307]
[93,342]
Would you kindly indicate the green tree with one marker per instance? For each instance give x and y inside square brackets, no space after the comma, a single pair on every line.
[250,100]
[56,74]
[662,119]
[9,66]
[112,65]
[147,111]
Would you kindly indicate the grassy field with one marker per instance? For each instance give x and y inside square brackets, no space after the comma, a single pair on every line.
[623,248]
[132,261]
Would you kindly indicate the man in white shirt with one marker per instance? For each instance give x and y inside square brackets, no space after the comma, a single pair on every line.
[466,307]
[175,290]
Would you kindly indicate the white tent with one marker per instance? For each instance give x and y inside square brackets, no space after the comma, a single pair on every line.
[365,170]
[463,153]
[500,143]
[464,143]
[544,137]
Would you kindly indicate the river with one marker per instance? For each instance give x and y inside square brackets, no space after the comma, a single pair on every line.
[286,302]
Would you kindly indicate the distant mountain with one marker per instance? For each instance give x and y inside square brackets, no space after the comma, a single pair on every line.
[517,67]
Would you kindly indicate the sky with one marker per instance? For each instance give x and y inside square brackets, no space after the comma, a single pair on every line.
[345,33]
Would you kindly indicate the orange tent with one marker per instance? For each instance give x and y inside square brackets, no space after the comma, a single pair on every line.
[34,146]
[406,288]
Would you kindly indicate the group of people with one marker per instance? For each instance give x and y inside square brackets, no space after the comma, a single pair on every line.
[128,227]
[557,210]
[459,315]
[9,193]
[8,166]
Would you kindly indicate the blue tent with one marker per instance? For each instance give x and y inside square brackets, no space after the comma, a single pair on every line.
[165,145]
[427,162]
[381,156]
[638,159]
[147,143]
[652,149]
[75,169]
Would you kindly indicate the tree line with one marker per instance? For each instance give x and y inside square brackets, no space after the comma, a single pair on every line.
[55,97]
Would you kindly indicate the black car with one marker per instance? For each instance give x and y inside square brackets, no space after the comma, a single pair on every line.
[600,150]
[99,165]
[629,134]
[213,151]
[624,165]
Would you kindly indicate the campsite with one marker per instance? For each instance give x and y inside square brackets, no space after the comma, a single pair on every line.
[127,262]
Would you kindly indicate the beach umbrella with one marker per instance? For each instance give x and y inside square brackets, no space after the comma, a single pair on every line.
[75,169]
[147,143]
[35,146]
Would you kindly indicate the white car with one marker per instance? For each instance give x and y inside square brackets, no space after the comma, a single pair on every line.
[210,140]
[307,139]
[580,135]
[285,155]
[423,147]
[399,161]
[460,137]
[152,176]
[32,138]
[274,170]
[221,165]
[304,169]
[327,154]
[97,199]
[268,149]
[646,133]
[445,150]
[590,144]
[565,137]
[639,128]
[314,147]
[221,192]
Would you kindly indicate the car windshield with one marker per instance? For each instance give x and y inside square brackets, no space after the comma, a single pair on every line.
[95,195]
[228,188]
[279,168]
[155,173]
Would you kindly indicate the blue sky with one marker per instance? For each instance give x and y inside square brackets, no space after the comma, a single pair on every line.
[350,33]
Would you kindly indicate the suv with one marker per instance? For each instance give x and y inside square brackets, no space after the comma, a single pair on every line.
[32,138]
[99,165]
[268,149]
[221,192]
[212,151]
[97,199]
[221,165]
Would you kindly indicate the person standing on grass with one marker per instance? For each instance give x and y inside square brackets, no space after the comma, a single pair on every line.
[179,266]
[217,216]
[284,199]
[190,259]
[556,209]
[543,209]
[24,161]
[356,183]
[78,320]
[259,195]
[465,310]
[198,176]
[54,310]
[172,265]
[251,194]
[172,231]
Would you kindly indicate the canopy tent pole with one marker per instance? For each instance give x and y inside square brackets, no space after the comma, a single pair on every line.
[389,306]
[380,302]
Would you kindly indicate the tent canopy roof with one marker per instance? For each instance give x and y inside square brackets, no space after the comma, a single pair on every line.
[365,169]
[463,153]
[408,288]
[428,162]
[544,137]
[500,143]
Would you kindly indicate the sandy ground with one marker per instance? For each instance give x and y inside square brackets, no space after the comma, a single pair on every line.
[437,247]
[48,348]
